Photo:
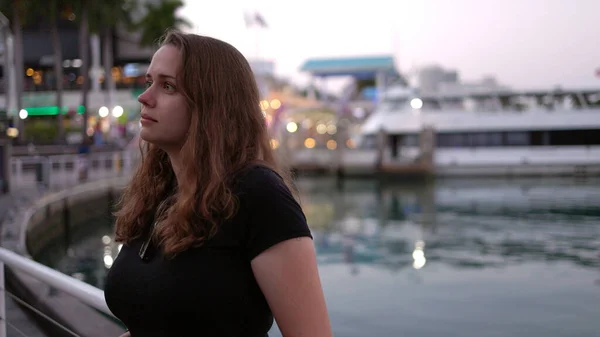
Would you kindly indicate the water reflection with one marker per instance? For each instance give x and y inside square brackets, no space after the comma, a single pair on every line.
[474,226]
[452,258]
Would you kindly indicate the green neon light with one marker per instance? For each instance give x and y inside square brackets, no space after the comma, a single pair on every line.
[50,110]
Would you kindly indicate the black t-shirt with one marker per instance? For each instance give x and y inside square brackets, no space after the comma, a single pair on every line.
[211,290]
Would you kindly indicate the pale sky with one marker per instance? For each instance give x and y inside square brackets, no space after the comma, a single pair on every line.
[524,43]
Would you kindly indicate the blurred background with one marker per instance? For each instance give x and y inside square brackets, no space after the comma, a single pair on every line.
[447,152]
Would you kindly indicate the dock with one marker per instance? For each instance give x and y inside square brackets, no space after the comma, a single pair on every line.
[376,161]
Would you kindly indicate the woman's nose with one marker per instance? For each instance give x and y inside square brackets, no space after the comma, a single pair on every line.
[146,98]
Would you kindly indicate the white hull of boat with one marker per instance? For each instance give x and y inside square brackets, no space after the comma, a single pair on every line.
[500,161]
[560,160]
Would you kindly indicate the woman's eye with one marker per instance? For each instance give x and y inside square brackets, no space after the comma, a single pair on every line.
[148,84]
[169,86]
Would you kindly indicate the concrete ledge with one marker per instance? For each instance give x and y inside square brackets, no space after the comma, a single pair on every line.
[50,218]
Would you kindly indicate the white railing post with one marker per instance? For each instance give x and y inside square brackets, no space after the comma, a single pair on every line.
[116,163]
[126,160]
[18,171]
[46,178]
[3,317]
[62,171]
[50,163]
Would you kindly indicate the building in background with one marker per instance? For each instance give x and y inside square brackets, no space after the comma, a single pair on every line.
[434,79]
[430,78]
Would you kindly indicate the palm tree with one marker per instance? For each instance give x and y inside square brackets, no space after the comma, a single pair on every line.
[54,8]
[160,17]
[109,15]
[23,12]
[105,18]
[81,9]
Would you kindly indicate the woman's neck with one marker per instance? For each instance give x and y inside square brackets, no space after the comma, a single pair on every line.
[176,165]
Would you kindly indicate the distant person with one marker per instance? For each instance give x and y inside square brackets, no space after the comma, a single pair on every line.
[214,243]
[4,183]
[83,159]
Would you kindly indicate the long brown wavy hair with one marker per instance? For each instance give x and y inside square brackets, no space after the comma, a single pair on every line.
[227,134]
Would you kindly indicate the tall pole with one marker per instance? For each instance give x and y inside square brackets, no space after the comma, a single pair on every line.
[96,70]
[6,65]
[5,30]
[9,68]
[260,74]
[254,21]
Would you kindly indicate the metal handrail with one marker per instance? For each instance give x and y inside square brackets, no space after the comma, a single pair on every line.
[70,156]
[86,293]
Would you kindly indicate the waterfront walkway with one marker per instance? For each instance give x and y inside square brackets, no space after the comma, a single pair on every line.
[21,321]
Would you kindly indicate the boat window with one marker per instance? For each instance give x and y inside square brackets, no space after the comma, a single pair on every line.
[410,140]
[480,139]
[452,140]
[510,138]
[516,138]
[368,142]
[394,104]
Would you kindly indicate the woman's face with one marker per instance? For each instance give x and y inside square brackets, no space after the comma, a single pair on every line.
[165,118]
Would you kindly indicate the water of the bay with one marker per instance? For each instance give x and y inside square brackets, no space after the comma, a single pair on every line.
[477,258]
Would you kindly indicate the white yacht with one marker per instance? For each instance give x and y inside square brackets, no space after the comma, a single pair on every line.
[493,133]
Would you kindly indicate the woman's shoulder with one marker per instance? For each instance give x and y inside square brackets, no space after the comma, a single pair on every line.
[258,177]
[272,213]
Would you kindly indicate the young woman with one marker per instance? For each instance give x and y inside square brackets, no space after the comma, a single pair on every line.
[214,243]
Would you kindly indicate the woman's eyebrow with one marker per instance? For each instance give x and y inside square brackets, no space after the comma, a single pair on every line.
[162,76]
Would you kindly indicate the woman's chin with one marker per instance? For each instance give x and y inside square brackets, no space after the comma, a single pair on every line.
[160,140]
[146,136]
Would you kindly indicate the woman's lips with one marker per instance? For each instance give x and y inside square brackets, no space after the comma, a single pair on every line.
[148,118]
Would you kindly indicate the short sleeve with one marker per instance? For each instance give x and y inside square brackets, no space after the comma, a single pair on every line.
[273,213]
